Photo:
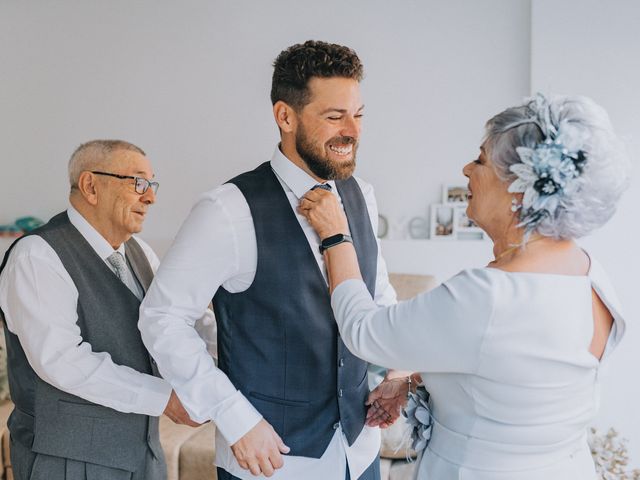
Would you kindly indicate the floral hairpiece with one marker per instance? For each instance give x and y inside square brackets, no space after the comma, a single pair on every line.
[548,172]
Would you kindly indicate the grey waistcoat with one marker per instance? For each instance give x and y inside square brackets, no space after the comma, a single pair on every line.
[278,341]
[54,422]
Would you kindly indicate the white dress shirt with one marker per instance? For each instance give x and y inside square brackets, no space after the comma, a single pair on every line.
[216,246]
[505,356]
[39,301]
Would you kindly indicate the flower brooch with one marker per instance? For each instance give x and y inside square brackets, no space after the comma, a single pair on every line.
[418,415]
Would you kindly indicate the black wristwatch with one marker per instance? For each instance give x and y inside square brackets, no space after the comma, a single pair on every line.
[334,240]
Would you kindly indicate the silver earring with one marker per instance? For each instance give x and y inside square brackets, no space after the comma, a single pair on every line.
[515,206]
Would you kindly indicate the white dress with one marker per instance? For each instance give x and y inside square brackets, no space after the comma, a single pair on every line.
[506,359]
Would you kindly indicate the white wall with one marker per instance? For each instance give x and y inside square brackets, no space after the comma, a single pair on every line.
[592,48]
[189,82]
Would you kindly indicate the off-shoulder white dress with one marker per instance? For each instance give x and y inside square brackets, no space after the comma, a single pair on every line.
[506,359]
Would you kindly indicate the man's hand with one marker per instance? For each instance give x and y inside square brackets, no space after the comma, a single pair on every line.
[260,450]
[176,412]
[385,402]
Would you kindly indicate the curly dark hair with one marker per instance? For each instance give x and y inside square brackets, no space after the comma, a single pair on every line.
[296,65]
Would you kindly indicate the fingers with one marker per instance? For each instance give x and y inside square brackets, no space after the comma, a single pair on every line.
[317,194]
[177,413]
[373,396]
[373,410]
[254,468]
[312,199]
[379,418]
[281,446]
[260,450]
[266,467]
[303,209]
[277,461]
[386,425]
[384,421]
[384,412]
[264,464]
[183,420]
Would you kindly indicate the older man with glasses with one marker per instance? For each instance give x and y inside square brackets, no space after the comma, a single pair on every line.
[87,394]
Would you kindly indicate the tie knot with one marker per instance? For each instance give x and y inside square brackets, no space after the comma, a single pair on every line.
[116,260]
[323,186]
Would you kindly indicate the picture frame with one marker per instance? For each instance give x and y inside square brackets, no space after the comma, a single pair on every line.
[442,224]
[463,222]
[455,194]
[465,228]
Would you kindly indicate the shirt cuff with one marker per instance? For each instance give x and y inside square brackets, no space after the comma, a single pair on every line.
[236,417]
[153,396]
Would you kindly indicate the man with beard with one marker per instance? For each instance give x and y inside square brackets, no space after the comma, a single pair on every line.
[286,384]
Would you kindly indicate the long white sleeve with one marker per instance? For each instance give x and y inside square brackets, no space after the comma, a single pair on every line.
[39,301]
[441,330]
[203,257]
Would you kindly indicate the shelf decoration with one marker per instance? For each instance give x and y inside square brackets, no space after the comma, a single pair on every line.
[21,226]
[449,220]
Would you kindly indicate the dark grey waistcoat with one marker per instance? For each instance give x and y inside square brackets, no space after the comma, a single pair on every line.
[278,341]
[54,422]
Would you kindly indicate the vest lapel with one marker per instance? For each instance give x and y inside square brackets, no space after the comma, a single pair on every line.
[364,239]
[139,263]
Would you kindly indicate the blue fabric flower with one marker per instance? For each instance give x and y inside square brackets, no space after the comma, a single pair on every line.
[548,172]
[418,415]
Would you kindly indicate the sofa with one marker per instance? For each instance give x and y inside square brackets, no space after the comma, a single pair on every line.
[190,451]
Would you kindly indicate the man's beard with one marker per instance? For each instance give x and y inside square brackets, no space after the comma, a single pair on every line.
[318,162]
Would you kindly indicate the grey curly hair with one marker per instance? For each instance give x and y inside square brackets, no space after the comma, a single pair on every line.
[606,172]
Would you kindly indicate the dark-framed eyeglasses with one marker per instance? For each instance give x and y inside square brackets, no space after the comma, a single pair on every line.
[141,184]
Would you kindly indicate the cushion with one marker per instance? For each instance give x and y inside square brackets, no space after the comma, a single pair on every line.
[172,438]
[197,453]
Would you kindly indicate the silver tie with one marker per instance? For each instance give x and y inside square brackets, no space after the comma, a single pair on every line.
[117,261]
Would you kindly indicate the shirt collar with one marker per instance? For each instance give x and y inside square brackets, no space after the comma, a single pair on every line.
[292,176]
[91,235]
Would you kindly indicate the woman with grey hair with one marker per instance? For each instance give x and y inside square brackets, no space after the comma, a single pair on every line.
[510,353]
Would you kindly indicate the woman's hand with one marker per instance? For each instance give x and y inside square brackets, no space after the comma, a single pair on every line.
[323,212]
[385,402]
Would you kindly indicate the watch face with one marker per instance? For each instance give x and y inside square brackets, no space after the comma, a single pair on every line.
[333,241]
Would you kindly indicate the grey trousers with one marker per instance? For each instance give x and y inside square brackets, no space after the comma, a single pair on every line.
[28,465]
[371,473]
